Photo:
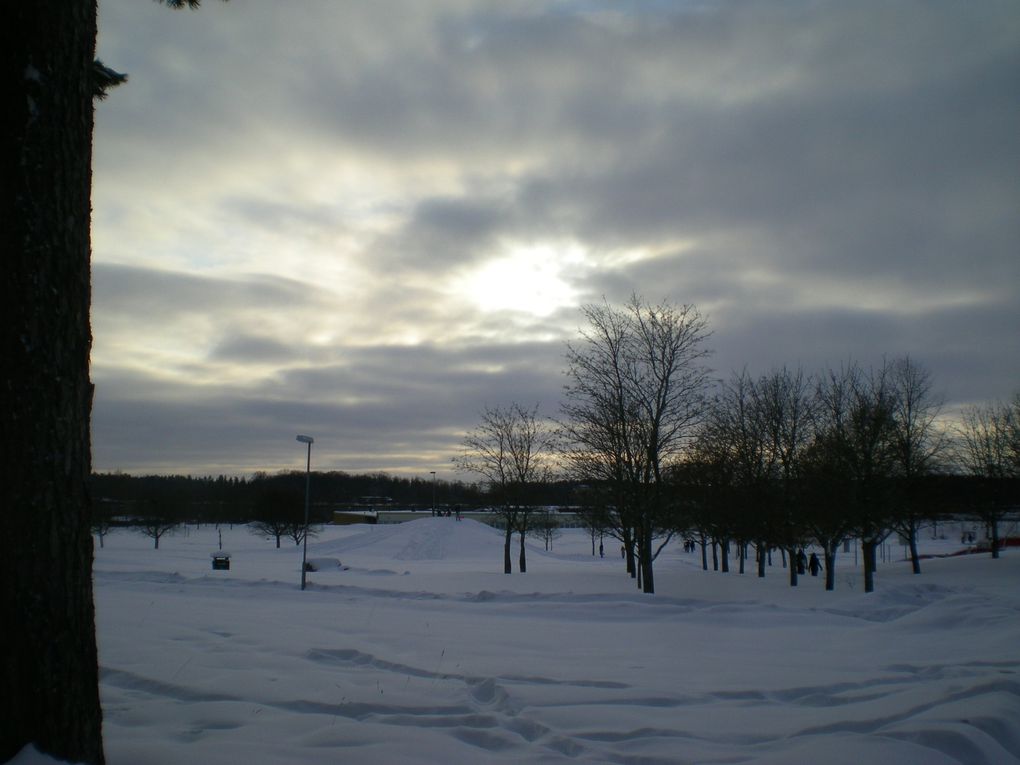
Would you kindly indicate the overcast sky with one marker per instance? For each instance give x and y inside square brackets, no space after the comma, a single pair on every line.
[366,221]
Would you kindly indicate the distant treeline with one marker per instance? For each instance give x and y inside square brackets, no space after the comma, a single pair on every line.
[223,499]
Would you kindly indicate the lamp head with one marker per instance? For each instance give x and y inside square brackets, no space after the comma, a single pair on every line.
[306,439]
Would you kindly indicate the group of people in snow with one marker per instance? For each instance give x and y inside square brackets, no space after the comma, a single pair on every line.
[812,564]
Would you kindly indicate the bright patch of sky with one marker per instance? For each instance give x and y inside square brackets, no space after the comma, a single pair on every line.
[532,279]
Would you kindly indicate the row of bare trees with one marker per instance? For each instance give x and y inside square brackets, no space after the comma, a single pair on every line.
[778,461]
[784,460]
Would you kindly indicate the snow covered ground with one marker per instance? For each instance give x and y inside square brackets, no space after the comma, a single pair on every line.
[421,650]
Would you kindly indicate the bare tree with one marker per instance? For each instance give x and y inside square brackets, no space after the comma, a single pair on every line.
[158,520]
[988,449]
[786,404]
[296,531]
[636,391]
[918,445]
[590,508]
[511,449]
[854,436]
[545,526]
[277,511]
[747,455]
[102,520]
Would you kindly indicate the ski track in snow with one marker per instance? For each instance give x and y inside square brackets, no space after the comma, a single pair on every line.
[217,675]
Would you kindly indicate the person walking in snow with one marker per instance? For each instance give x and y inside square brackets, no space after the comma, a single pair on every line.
[814,565]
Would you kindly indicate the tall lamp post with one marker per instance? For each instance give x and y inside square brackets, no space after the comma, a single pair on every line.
[308,485]
[433,491]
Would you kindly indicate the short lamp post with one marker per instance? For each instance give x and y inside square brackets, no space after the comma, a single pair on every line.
[308,485]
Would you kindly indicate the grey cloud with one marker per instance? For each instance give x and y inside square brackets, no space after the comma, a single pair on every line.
[252,348]
[146,291]
[444,232]
[368,413]
[821,146]
[963,360]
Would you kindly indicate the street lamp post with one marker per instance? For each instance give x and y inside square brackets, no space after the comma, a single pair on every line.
[433,492]
[308,485]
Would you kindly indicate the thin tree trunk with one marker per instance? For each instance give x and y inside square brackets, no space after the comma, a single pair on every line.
[523,561]
[724,549]
[628,545]
[646,559]
[507,568]
[715,555]
[793,566]
[49,674]
[829,553]
[762,558]
[995,538]
[915,559]
[704,553]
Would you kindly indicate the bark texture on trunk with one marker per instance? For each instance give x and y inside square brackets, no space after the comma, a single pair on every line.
[49,678]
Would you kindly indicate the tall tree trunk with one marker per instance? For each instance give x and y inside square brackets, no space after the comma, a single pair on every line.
[829,553]
[522,562]
[507,568]
[715,555]
[741,555]
[762,558]
[628,546]
[648,585]
[915,559]
[994,525]
[793,566]
[868,551]
[49,674]
[724,549]
[704,552]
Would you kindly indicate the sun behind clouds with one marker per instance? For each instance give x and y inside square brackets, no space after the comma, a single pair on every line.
[533,279]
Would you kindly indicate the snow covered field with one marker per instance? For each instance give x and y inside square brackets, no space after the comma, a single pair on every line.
[423,651]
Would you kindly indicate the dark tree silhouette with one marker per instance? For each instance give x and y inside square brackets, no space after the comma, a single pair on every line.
[634,394]
[989,448]
[50,675]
